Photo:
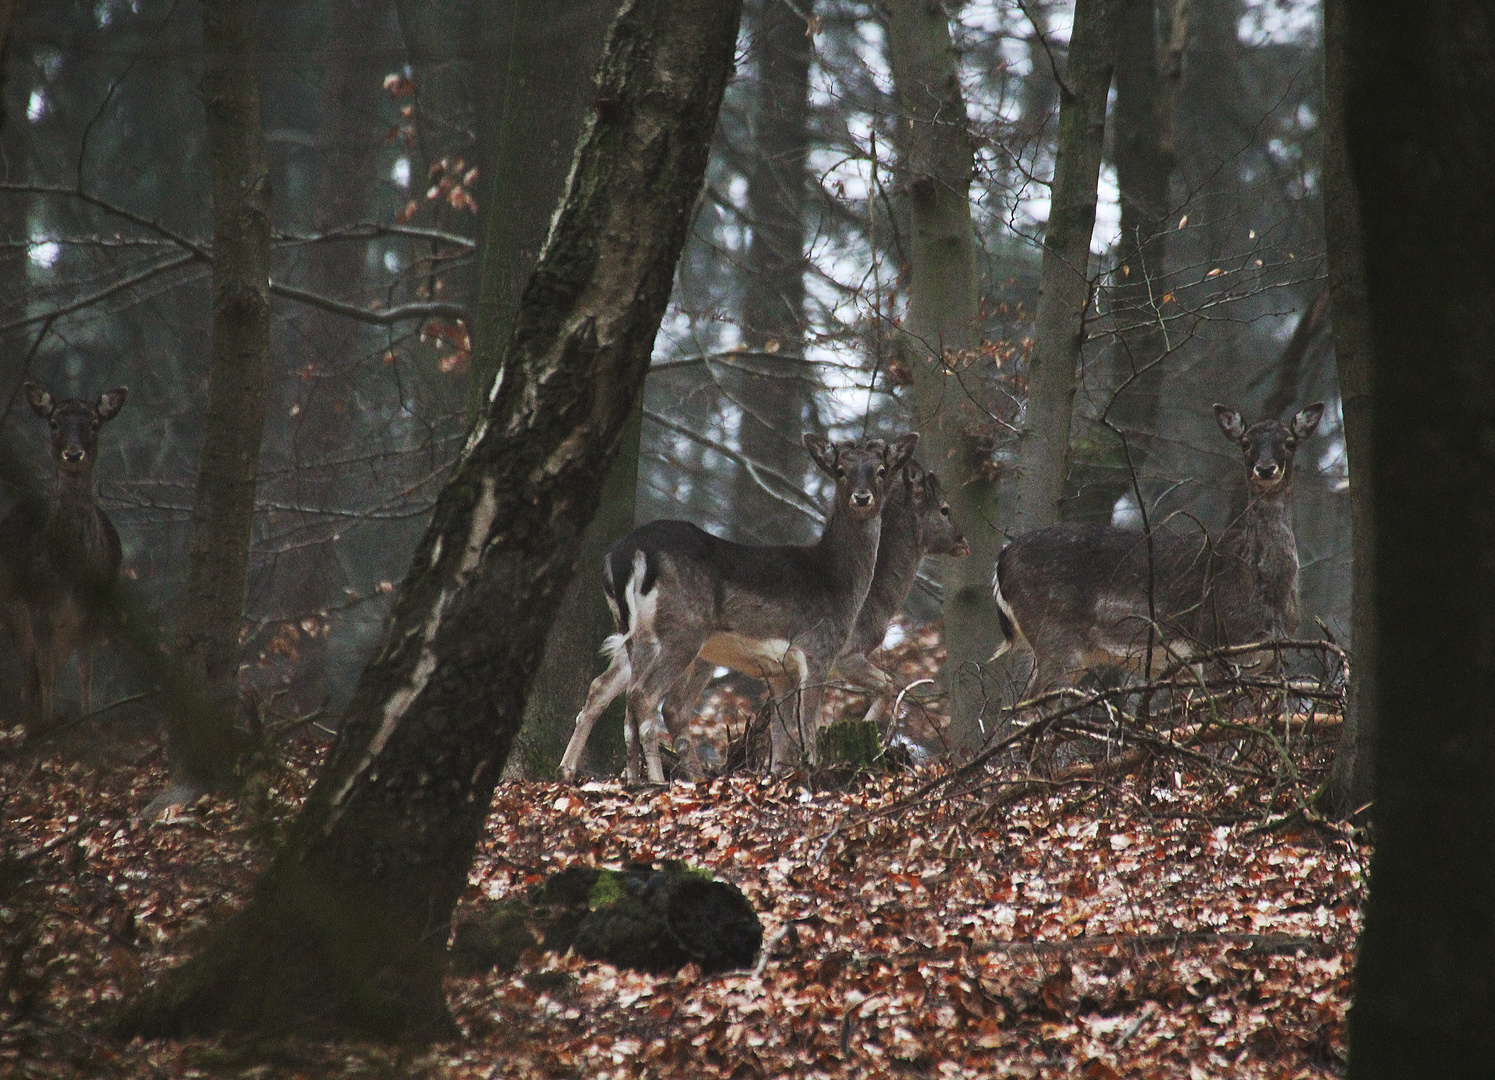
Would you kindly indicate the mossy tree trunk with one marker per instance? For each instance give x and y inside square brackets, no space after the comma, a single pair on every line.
[1420,117]
[940,332]
[228,467]
[347,928]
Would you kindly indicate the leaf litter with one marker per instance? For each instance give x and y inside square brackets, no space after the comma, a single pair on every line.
[1140,927]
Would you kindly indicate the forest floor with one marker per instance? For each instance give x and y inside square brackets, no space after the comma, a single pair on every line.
[1086,926]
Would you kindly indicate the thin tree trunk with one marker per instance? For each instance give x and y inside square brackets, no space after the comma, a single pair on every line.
[775,402]
[1064,282]
[223,503]
[1419,94]
[939,335]
[1350,781]
[546,88]
[347,928]
[1144,162]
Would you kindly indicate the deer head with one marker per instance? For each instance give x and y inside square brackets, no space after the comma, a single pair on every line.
[861,470]
[75,424]
[1269,445]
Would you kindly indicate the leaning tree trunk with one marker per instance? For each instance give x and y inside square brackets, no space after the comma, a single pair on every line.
[1419,110]
[1064,281]
[223,503]
[1350,781]
[939,335]
[347,928]
[546,90]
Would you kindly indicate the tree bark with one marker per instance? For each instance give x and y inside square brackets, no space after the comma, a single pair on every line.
[1064,281]
[1350,781]
[940,333]
[347,928]
[776,396]
[1420,117]
[223,502]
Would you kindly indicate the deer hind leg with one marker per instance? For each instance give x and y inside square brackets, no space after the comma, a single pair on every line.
[796,718]
[604,689]
[85,680]
[677,708]
[656,673]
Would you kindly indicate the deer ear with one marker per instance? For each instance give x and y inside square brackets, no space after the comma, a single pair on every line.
[901,450]
[913,473]
[823,451]
[41,401]
[111,402]
[1231,423]
[1305,422]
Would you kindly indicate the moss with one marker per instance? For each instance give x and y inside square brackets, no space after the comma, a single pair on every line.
[606,891]
[857,743]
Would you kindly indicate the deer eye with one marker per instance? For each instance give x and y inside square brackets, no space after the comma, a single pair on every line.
[945,510]
[882,470]
[1291,444]
[840,473]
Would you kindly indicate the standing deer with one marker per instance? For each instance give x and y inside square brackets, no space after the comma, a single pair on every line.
[55,561]
[915,522]
[782,612]
[1086,595]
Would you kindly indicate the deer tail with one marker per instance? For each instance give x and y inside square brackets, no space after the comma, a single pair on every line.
[1005,618]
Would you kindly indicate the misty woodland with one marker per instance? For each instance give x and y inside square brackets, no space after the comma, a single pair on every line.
[747,539]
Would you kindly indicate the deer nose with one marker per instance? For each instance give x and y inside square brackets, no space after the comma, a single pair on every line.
[861,498]
[72,455]
[1267,471]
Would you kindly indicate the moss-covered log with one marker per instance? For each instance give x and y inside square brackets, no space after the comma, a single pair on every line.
[347,929]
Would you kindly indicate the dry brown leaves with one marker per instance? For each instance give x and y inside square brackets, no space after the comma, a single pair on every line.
[1139,929]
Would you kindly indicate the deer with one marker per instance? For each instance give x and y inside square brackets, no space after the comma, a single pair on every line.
[54,560]
[1085,596]
[915,522]
[779,612]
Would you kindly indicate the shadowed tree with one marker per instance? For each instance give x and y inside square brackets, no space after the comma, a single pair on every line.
[347,928]
[1419,110]
[223,504]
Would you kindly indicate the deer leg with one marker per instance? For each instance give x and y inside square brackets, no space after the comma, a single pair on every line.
[655,677]
[871,679]
[677,708]
[604,689]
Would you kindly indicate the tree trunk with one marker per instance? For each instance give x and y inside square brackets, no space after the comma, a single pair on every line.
[546,89]
[1350,782]
[1144,162]
[775,393]
[347,929]
[940,333]
[223,503]
[1064,281]
[1419,95]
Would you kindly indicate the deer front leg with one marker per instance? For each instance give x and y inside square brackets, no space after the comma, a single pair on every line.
[604,689]
[85,680]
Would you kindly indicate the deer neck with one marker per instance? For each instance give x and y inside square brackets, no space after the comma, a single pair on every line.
[1261,543]
[848,550]
[74,514]
[898,556]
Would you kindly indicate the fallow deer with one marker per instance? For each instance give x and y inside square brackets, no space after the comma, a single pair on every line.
[780,612]
[915,522]
[1085,596]
[56,559]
